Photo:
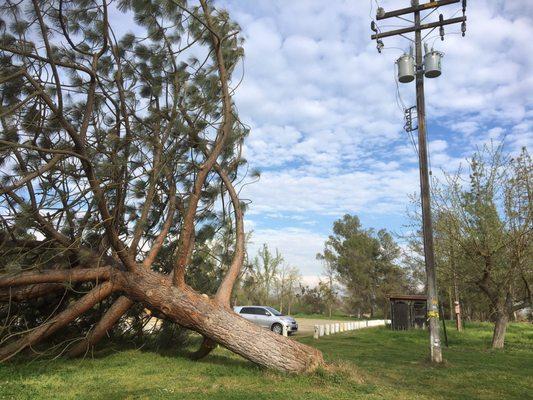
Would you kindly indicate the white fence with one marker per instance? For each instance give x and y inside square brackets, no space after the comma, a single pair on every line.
[330,329]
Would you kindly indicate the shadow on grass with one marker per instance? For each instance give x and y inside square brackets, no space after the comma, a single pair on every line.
[28,365]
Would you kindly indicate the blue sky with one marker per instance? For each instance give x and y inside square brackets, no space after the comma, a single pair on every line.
[327,132]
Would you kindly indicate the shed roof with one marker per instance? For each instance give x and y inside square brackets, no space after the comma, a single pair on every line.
[407,297]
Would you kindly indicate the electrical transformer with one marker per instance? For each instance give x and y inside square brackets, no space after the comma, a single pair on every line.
[432,64]
[406,68]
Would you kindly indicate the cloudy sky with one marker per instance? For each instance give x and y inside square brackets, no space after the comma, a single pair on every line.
[327,129]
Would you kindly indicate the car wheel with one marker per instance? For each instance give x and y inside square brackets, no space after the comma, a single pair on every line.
[277,328]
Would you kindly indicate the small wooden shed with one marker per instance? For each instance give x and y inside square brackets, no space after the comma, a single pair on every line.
[408,311]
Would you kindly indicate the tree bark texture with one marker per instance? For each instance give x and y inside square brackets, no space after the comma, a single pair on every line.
[500,328]
[220,324]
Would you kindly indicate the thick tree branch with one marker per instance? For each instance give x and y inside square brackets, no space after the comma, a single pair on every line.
[159,240]
[184,244]
[106,323]
[74,310]
[58,276]
[30,292]
[223,294]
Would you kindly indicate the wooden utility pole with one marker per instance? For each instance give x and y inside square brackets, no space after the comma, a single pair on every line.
[427,229]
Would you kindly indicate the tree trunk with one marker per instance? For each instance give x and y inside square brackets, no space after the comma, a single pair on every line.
[220,324]
[450,303]
[503,310]
[500,327]
[501,303]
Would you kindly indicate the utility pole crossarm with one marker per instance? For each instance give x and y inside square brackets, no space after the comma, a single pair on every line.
[420,7]
[419,28]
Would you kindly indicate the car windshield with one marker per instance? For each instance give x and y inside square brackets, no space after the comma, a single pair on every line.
[274,311]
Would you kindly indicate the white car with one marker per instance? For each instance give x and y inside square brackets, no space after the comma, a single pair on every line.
[268,317]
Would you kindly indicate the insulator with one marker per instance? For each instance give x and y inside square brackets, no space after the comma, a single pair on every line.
[380,12]
[373,26]
[463,28]
[464,6]
[441,29]
[379,45]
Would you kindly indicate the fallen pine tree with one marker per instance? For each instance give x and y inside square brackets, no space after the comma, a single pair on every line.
[115,150]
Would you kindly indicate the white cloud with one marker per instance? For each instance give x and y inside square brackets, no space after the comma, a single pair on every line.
[326,127]
[380,191]
[311,280]
[298,247]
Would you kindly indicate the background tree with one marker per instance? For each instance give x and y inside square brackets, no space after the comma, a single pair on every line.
[365,263]
[287,281]
[489,218]
[116,151]
[263,274]
[449,257]
[268,280]
[330,290]
[312,300]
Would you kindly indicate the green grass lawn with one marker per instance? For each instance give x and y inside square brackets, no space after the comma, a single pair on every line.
[371,363]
